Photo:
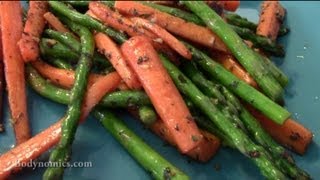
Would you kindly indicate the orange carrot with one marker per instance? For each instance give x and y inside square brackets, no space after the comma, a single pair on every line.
[12,28]
[55,23]
[230,5]
[173,24]
[271,17]
[165,97]
[205,150]
[290,134]
[235,68]
[1,84]
[173,42]
[60,77]
[45,140]
[29,43]
[107,47]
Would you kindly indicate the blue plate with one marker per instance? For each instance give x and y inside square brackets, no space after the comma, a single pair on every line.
[110,161]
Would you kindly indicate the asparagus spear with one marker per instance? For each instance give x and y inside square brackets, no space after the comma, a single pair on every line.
[86,21]
[240,88]
[144,154]
[239,49]
[243,143]
[147,115]
[51,48]
[60,63]
[258,41]
[68,40]
[237,20]
[69,126]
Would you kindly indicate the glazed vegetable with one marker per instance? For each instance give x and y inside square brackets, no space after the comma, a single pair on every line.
[145,62]
[240,88]
[173,24]
[271,17]
[242,142]
[259,41]
[145,155]
[12,29]
[54,22]
[107,47]
[231,64]
[85,20]
[69,126]
[29,43]
[237,20]
[240,50]
[2,89]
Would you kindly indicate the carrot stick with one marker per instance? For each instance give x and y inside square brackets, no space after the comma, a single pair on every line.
[60,77]
[114,19]
[290,134]
[230,5]
[54,22]
[235,68]
[107,47]
[173,24]
[1,83]
[46,139]
[12,28]
[165,97]
[205,150]
[29,43]
[271,17]
[173,42]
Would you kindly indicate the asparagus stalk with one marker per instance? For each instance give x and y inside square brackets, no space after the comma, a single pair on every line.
[258,41]
[272,110]
[68,40]
[147,115]
[60,63]
[69,126]
[150,160]
[243,143]
[237,20]
[51,48]
[86,21]
[239,49]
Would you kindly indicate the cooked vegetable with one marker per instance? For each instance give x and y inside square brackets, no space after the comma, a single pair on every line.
[242,142]
[173,24]
[29,42]
[55,49]
[230,63]
[61,63]
[147,115]
[164,36]
[1,84]
[54,22]
[107,47]
[271,18]
[237,20]
[147,157]
[12,29]
[85,20]
[145,62]
[69,126]
[231,5]
[259,41]
[240,88]
[240,50]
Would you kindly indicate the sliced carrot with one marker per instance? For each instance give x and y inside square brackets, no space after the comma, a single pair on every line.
[173,24]
[54,22]
[271,17]
[12,28]
[116,20]
[1,84]
[205,150]
[29,43]
[231,5]
[173,42]
[42,142]
[290,134]
[60,77]
[165,97]
[107,47]
[234,67]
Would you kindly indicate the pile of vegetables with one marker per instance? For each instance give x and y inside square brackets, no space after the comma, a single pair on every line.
[195,75]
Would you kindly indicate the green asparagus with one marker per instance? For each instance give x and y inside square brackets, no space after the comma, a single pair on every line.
[239,49]
[51,48]
[60,63]
[69,126]
[147,115]
[243,143]
[272,110]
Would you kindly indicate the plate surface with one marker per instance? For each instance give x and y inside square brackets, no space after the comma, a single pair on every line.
[110,161]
